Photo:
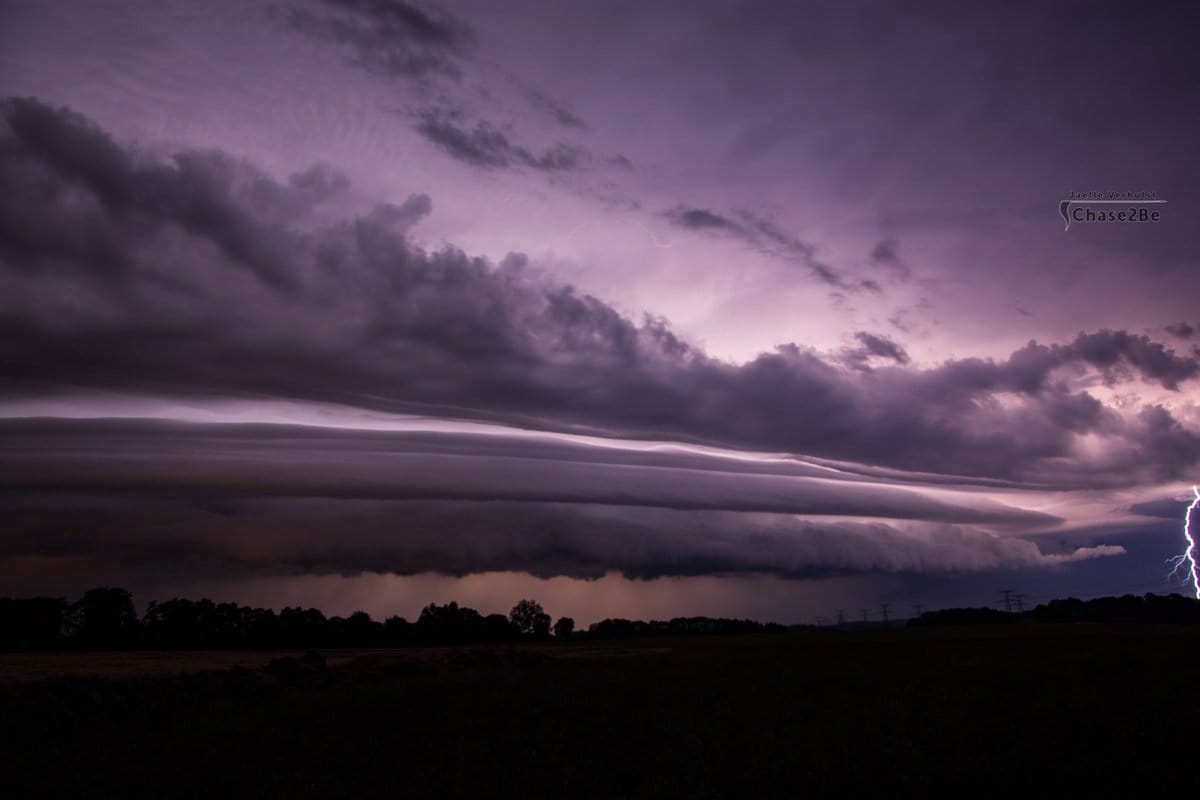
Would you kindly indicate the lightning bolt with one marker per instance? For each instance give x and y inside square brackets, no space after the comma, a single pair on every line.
[1188,557]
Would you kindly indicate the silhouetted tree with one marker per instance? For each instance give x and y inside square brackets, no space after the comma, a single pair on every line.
[564,628]
[964,616]
[103,617]
[33,623]
[1151,608]
[452,624]
[181,623]
[397,631]
[498,628]
[530,620]
[300,627]
[357,630]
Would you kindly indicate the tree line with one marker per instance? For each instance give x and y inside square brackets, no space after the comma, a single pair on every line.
[1151,609]
[105,618]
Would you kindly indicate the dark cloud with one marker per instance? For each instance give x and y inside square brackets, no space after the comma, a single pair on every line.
[1118,352]
[887,254]
[230,460]
[554,109]
[319,182]
[1163,508]
[210,498]
[1182,330]
[74,197]
[798,251]
[702,218]
[1119,355]
[881,346]
[389,37]
[202,275]
[484,145]
[217,536]
[764,236]
[404,216]
[426,26]
[401,40]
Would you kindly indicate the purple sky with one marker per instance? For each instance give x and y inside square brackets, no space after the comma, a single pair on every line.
[641,309]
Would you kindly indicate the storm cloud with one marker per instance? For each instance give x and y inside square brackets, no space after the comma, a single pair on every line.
[1181,330]
[297,535]
[363,288]
[880,346]
[231,460]
[204,275]
[432,50]
[763,235]
[484,145]
[306,498]
[391,37]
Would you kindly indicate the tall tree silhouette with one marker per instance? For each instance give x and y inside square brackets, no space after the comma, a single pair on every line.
[564,628]
[104,617]
[530,620]
[33,623]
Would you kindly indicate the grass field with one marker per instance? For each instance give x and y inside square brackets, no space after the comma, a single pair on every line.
[1107,710]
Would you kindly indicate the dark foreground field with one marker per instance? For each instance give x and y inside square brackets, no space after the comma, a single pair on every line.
[895,712]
